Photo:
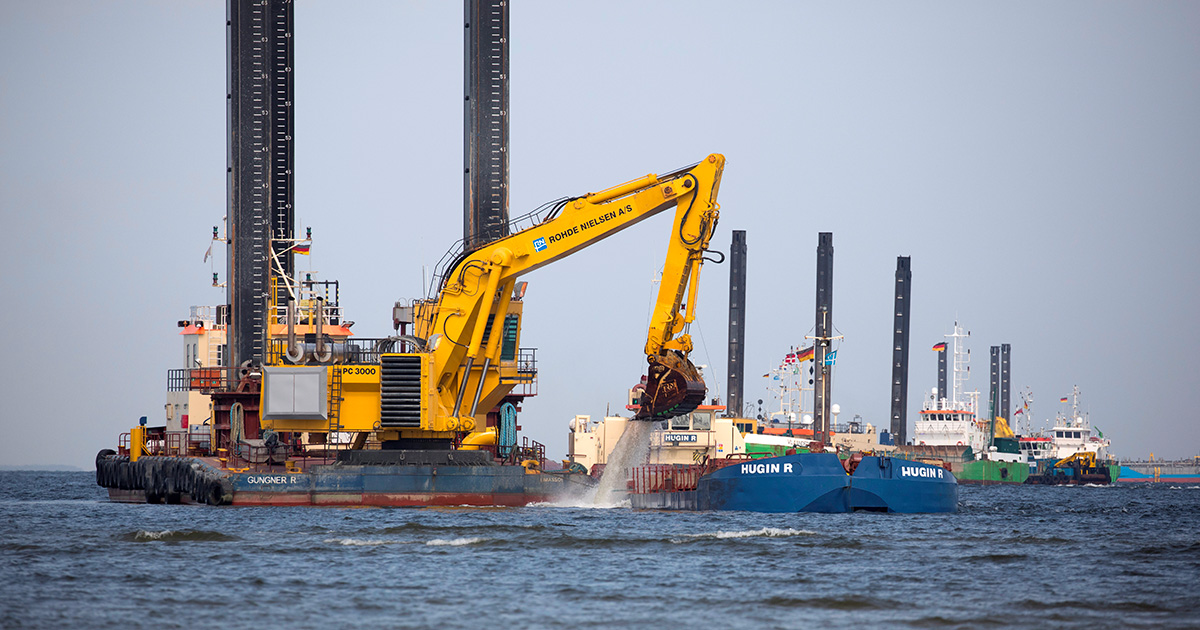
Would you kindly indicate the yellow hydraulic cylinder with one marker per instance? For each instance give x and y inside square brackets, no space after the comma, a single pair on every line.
[137,441]
[622,189]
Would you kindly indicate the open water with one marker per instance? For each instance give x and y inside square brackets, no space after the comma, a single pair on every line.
[1012,557]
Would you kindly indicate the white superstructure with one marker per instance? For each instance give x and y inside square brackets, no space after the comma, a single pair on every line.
[688,439]
[1072,433]
[953,420]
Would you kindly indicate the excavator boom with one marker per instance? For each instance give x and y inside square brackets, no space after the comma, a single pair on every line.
[478,291]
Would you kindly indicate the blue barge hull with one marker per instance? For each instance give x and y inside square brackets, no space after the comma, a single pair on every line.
[815,482]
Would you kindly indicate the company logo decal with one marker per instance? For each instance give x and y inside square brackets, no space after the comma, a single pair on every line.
[763,469]
[928,473]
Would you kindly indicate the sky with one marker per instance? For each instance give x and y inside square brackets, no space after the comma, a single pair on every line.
[1039,162]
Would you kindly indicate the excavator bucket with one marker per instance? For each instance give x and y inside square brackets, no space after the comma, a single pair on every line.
[674,387]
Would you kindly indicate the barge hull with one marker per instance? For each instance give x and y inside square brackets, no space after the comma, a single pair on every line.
[814,482]
[190,480]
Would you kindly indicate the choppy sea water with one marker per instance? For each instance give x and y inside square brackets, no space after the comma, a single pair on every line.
[1023,557]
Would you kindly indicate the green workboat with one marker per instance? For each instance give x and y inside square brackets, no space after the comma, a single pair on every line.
[978,448]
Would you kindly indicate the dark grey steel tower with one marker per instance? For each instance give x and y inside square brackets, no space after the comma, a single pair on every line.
[822,388]
[900,351]
[942,393]
[994,384]
[1005,402]
[737,323]
[485,111]
[259,164]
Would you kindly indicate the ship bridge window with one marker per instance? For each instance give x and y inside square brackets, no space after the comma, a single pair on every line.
[701,420]
[679,423]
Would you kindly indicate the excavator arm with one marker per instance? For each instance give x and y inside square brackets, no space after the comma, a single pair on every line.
[475,296]
[673,384]
[1083,459]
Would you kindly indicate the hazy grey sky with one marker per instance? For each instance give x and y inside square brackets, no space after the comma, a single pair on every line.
[1039,161]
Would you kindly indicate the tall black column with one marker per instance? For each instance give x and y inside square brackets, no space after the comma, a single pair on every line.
[900,351]
[941,383]
[824,327]
[993,393]
[1005,401]
[994,383]
[259,164]
[737,323]
[485,111]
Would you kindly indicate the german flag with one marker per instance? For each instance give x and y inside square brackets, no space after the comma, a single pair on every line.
[939,347]
[806,354]
[301,248]
[1063,399]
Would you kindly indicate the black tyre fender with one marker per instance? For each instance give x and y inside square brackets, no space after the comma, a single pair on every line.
[149,473]
[181,476]
[137,475]
[101,460]
[196,474]
[171,476]
[221,492]
[212,492]
[155,482]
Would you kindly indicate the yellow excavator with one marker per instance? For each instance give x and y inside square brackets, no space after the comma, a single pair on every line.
[463,357]
[1082,460]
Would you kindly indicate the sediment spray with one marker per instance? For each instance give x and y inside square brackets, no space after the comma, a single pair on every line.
[631,450]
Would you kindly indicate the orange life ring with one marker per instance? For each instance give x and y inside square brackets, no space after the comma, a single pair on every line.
[960,443]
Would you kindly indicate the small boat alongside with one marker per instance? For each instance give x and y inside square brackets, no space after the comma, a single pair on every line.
[1072,452]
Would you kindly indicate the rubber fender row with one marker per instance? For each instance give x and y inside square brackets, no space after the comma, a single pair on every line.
[164,479]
